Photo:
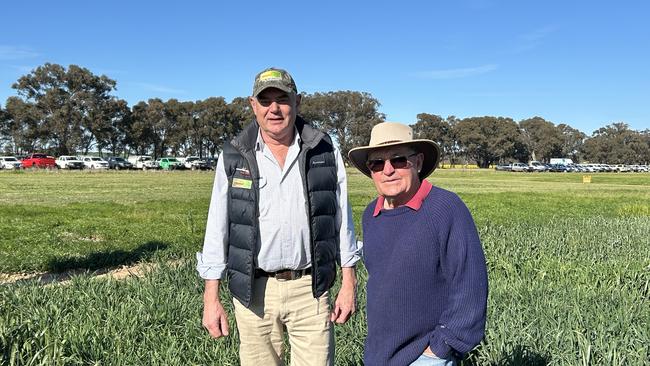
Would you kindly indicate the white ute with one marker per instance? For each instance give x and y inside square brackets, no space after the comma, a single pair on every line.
[143,162]
[194,163]
[9,162]
[93,162]
[69,162]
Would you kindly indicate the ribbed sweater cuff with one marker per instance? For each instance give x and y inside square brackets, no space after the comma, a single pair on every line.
[438,345]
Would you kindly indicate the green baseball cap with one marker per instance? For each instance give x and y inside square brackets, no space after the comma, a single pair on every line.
[274,78]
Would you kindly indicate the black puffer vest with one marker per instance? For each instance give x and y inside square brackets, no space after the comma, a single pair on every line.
[318,164]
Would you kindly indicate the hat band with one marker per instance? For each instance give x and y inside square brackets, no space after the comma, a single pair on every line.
[390,142]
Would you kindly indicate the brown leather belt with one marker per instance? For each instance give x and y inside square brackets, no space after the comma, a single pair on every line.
[284,274]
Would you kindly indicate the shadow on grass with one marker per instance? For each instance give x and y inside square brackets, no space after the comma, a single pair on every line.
[98,260]
[520,356]
[95,264]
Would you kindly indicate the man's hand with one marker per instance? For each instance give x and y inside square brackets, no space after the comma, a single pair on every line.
[429,352]
[346,301]
[215,318]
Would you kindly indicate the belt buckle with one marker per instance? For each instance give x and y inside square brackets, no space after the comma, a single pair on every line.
[288,275]
[284,275]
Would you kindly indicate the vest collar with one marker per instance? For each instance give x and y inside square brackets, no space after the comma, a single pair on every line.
[247,139]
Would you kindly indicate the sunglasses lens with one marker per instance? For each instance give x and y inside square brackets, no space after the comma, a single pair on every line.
[397,162]
[376,165]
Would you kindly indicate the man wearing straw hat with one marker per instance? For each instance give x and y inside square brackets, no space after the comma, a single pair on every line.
[427,277]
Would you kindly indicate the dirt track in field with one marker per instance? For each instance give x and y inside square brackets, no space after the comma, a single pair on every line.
[50,278]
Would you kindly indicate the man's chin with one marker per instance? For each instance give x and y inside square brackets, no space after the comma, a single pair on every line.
[391,195]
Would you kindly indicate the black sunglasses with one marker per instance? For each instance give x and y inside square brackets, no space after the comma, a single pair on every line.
[397,162]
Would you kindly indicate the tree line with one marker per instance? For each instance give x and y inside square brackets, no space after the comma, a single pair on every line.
[489,140]
[70,110]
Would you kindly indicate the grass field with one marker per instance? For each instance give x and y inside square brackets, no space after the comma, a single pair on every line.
[569,268]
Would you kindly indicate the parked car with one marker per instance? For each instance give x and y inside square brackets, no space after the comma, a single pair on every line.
[622,168]
[194,163]
[69,162]
[519,167]
[170,164]
[9,162]
[536,166]
[558,168]
[38,161]
[590,168]
[513,167]
[118,163]
[94,162]
[605,168]
[573,168]
[212,162]
[143,162]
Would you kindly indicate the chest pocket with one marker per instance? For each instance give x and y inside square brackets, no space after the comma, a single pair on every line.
[266,196]
[262,183]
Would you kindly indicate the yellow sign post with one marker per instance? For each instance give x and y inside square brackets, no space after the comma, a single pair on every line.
[586,179]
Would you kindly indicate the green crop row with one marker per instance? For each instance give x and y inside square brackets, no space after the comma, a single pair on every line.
[568,265]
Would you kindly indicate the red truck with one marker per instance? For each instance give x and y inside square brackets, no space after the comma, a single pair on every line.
[38,161]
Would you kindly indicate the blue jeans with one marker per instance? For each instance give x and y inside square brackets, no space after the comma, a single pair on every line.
[424,360]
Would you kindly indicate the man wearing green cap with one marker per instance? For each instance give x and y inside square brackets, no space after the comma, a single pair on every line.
[278,223]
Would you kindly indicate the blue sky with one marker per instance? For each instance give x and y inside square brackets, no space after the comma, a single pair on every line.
[584,63]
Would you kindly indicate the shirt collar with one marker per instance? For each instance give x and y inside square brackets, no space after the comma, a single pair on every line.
[259,143]
[414,203]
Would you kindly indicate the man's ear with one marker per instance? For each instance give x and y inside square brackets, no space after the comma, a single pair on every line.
[420,161]
[298,100]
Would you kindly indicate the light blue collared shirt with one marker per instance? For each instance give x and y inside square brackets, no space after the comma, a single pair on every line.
[283,221]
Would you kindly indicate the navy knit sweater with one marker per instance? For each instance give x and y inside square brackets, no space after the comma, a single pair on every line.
[427,281]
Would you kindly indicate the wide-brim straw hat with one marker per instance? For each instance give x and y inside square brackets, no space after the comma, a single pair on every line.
[396,134]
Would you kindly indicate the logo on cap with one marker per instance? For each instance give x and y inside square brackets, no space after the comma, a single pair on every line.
[271,75]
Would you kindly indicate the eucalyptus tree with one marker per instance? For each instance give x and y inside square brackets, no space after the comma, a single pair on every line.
[241,112]
[177,115]
[5,139]
[572,140]
[140,135]
[617,144]
[435,128]
[115,137]
[487,139]
[348,116]
[221,121]
[542,138]
[65,101]
[22,127]
[212,124]
[187,140]
[645,138]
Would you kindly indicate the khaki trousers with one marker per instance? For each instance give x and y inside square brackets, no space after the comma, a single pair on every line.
[290,305]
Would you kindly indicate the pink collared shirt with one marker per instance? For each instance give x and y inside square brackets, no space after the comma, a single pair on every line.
[414,203]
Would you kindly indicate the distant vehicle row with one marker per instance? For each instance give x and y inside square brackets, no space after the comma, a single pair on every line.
[143,162]
[536,166]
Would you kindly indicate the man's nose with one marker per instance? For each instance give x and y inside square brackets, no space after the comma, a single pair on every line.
[274,106]
[388,167]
